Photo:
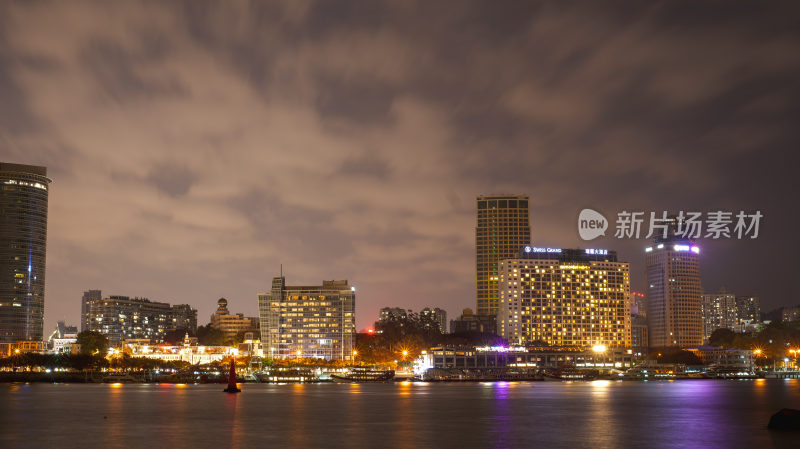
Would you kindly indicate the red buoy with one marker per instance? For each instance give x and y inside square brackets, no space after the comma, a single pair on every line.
[232,388]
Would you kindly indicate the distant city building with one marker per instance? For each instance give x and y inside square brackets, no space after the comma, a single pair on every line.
[23,248]
[791,313]
[316,321]
[719,311]
[674,303]
[390,313]
[748,309]
[185,317]
[469,322]
[639,337]
[502,228]
[437,315]
[231,324]
[565,297]
[86,299]
[638,304]
[122,317]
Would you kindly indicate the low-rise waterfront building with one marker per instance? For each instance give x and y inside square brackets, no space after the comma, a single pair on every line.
[187,352]
[20,347]
[738,359]
[62,339]
[520,357]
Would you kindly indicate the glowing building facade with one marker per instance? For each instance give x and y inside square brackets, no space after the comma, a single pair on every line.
[23,247]
[316,321]
[502,228]
[566,298]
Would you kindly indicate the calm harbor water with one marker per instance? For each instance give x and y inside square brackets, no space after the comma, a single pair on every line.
[599,414]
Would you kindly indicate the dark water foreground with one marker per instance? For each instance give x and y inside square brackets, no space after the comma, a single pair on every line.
[599,414]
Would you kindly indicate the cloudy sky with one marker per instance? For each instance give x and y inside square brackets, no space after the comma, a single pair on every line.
[195,147]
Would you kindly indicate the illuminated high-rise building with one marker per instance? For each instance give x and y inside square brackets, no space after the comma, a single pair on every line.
[502,228]
[121,317]
[23,248]
[565,297]
[308,321]
[674,309]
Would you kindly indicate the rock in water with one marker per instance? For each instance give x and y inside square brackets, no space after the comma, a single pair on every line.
[786,419]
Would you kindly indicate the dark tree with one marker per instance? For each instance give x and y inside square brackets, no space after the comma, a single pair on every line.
[175,337]
[208,336]
[93,343]
[722,337]
[677,356]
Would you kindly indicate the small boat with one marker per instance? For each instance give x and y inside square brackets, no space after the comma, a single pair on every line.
[359,374]
[120,378]
[286,375]
[567,372]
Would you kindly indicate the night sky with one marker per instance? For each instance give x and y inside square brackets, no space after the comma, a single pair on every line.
[194,148]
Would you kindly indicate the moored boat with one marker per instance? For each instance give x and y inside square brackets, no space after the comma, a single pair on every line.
[569,373]
[359,374]
[119,378]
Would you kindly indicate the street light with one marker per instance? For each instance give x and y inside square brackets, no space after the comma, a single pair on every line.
[598,350]
[355,353]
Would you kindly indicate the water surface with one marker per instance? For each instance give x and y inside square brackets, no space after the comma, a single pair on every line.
[599,414]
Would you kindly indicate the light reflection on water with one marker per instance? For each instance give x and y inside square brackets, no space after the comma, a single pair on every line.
[701,413]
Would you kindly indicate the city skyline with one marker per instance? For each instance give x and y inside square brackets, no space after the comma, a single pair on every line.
[188,163]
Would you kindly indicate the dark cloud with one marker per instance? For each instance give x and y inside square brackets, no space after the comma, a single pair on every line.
[172,179]
[349,140]
[369,164]
[120,72]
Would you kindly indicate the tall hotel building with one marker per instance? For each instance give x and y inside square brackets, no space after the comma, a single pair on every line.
[309,321]
[23,245]
[565,297]
[674,303]
[503,227]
